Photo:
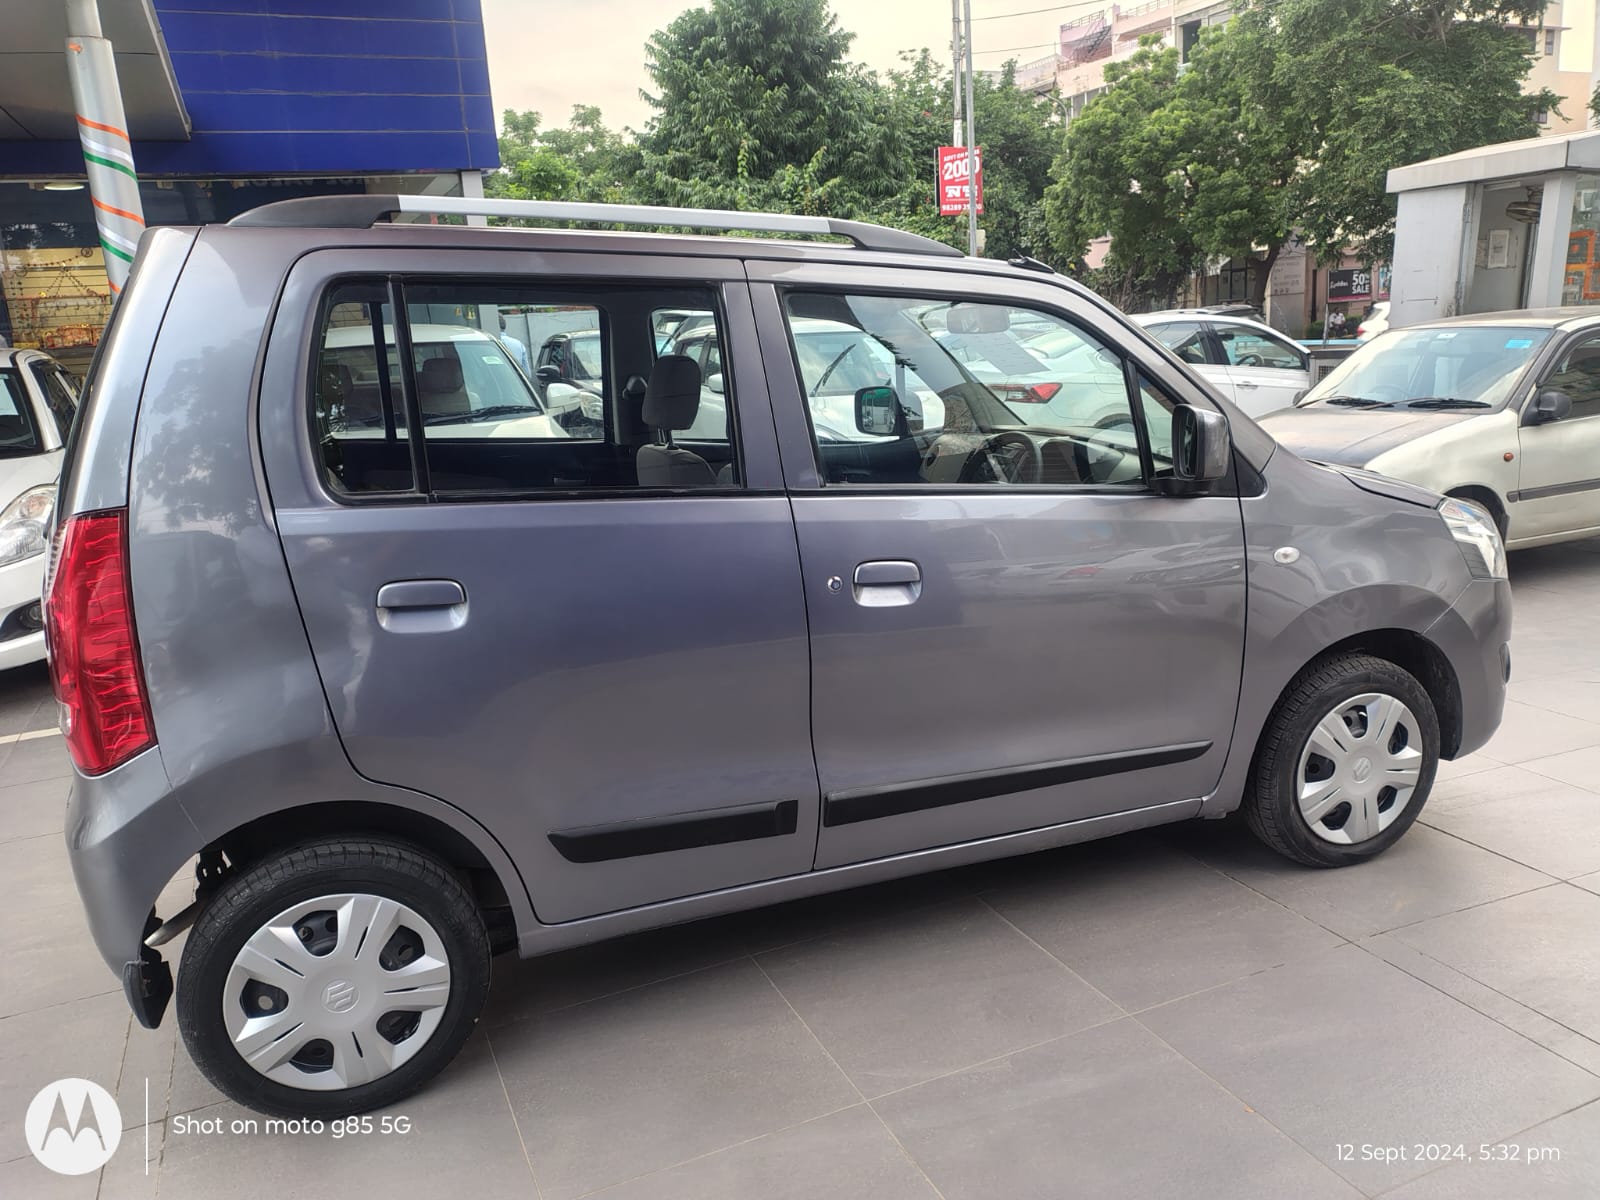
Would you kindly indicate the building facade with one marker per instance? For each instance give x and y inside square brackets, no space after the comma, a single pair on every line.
[230,104]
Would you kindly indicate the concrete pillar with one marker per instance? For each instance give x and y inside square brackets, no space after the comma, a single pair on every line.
[1550,245]
[103,133]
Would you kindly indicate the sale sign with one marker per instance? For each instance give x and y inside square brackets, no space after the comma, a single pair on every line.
[953,179]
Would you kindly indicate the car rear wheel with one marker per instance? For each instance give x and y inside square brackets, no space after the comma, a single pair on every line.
[1346,762]
[333,978]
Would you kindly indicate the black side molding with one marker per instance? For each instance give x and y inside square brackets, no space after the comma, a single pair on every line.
[1553,489]
[897,799]
[681,831]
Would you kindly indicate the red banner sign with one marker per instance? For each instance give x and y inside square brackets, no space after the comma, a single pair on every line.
[953,179]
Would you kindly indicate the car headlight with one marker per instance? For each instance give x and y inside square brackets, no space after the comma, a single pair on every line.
[25,524]
[1477,536]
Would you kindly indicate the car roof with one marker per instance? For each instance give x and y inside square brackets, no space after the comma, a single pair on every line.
[341,336]
[1175,315]
[1540,318]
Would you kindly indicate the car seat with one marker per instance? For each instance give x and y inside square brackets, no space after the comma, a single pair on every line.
[671,400]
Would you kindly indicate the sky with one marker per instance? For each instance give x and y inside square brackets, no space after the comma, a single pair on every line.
[549,55]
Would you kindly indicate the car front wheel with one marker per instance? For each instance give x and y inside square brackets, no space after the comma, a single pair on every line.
[1346,762]
[333,978]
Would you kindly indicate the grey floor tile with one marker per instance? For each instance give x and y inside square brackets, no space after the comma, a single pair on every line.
[1555,829]
[527,987]
[1105,1113]
[33,809]
[36,758]
[839,912]
[1542,949]
[1425,874]
[44,941]
[1581,768]
[1556,1160]
[644,1080]
[1343,1049]
[83,1039]
[845,1154]
[1527,733]
[460,1130]
[1471,764]
[1576,695]
[1155,924]
[1591,882]
[25,1177]
[1482,787]
[921,994]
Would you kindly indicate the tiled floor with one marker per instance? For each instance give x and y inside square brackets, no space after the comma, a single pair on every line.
[1167,1015]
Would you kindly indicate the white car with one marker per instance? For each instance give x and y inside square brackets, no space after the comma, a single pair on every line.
[474,391]
[37,402]
[1250,363]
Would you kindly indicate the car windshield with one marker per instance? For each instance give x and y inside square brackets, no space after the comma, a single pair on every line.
[1449,367]
[19,435]
[586,354]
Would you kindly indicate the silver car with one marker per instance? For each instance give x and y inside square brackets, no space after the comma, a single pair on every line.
[403,696]
[1501,409]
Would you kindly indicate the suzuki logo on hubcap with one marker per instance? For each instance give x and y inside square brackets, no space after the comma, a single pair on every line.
[340,996]
[1362,770]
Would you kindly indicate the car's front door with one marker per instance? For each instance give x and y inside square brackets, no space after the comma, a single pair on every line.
[1268,372]
[1010,628]
[612,679]
[1558,487]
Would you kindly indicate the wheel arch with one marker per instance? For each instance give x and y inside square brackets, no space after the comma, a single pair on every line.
[1482,494]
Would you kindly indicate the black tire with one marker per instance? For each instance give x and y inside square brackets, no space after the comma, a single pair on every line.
[256,895]
[1270,804]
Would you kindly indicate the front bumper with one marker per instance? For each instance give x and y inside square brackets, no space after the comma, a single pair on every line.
[21,638]
[1475,636]
[127,836]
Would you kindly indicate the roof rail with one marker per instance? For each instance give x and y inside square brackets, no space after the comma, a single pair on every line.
[363,211]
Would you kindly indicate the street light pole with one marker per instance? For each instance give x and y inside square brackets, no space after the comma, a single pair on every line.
[955,74]
[972,138]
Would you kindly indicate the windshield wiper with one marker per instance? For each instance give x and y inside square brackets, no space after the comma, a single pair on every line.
[483,414]
[1447,402]
[1355,402]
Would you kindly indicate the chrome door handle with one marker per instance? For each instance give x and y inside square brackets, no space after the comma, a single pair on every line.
[1245,383]
[422,606]
[887,582]
[421,593]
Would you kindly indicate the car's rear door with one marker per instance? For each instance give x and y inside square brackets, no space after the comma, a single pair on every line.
[991,657]
[1558,485]
[612,679]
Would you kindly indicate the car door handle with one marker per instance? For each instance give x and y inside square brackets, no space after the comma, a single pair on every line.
[1246,383]
[422,606]
[421,593]
[887,582]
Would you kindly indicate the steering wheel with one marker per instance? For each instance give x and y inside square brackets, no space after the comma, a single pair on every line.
[1247,360]
[1006,458]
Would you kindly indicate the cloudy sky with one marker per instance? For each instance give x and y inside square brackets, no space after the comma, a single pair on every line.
[548,55]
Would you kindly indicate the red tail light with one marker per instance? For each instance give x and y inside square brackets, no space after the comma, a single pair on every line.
[1039,393]
[94,659]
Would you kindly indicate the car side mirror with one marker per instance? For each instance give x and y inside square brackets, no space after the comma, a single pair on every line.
[548,373]
[878,412]
[1549,405]
[714,382]
[1200,445]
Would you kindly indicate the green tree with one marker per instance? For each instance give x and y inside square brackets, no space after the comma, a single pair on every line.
[584,161]
[1120,175]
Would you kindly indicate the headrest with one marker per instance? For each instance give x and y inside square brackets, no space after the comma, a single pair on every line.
[440,375]
[672,398]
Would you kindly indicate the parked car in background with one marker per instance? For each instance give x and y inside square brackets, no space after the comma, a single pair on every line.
[569,374]
[1375,322]
[1250,363]
[37,401]
[1501,409]
[401,698]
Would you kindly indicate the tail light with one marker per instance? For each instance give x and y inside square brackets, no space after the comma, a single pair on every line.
[94,657]
[1038,393]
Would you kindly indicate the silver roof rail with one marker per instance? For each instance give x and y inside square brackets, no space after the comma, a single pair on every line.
[362,212]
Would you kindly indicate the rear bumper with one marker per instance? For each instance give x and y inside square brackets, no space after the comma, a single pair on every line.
[1474,634]
[127,836]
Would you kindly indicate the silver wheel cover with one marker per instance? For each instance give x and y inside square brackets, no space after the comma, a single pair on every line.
[1358,770]
[311,1003]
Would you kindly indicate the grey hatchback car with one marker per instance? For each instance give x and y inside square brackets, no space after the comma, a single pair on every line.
[405,693]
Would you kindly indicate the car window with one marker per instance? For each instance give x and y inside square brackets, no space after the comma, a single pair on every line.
[1186,339]
[1252,348]
[60,394]
[919,390]
[18,436]
[484,426]
[1578,375]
